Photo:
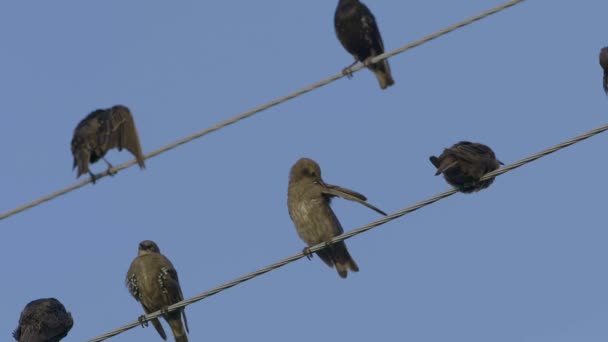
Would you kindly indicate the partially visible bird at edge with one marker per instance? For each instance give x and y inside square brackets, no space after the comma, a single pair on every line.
[43,320]
[604,65]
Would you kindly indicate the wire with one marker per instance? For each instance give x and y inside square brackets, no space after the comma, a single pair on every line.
[350,234]
[261,108]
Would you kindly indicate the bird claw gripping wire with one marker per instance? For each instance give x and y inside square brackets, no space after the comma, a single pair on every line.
[142,321]
[307,253]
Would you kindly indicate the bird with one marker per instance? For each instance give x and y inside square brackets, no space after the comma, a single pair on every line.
[308,201]
[152,281]
[464,164]
[43,320]
[604,65]
[358,32]
[101,131]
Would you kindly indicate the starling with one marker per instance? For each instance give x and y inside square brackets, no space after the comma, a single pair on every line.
[604,64]
[308,200]
[358,32]
[153,281]
[101,131]
[43,320]
[464,164]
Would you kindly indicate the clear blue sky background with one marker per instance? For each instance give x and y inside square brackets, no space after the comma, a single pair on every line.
[525,260]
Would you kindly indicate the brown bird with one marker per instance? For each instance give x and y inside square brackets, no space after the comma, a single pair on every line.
[604,64]
[358,32]
[464,164]
[43,320]
[101,131]
[308,201]
[153,281]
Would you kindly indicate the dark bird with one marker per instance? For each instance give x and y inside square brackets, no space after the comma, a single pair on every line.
[464,164]
[358,32]
[43,320]
[604,64]
[153,281]
[101,131]
[308,200]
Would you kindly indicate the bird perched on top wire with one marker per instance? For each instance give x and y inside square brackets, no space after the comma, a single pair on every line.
[43,320]
[101,131]
[153,281]
[308,201]
[465,163]
[604,64]
[358,32]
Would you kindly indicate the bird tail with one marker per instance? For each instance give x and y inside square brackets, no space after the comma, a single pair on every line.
[81,160]
[159,328]
[383,74]
[177,327]
[342,260]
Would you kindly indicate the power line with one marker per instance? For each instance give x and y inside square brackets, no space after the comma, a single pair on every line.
[351,233]
[263,107]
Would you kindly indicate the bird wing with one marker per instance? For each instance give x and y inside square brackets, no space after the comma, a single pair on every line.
[172,288]
[372,33]
[118,131]
[334,190]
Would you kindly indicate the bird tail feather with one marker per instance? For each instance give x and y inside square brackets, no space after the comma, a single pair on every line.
[159,328]
[343,261]
[383,74]
[177,327]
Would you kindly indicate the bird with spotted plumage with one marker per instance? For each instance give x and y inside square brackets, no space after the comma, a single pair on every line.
[152,280]
[308,202]
[464,164]
[358,32]
[604,65]
[101,131]
[43,320]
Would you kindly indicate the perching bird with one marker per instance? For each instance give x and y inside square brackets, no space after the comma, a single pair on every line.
[464,164]
[358,32]
[152,280]
[101,131]
[604,64]
[308,200]
[43,320]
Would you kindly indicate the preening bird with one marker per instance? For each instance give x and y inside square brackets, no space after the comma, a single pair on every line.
[308,201]
[43,320]
[152,281]
[604,65]
[465,163]
[358,32]
[101,131]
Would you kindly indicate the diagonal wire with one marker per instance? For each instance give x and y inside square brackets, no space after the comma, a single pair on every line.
[349,234]
[263,107]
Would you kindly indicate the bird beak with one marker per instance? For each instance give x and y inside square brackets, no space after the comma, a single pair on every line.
[501,163]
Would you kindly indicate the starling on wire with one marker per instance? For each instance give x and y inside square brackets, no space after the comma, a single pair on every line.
[101,131]
[358,32]
[43,320]
[604,64]
[464,164]
[308,201]
[153,281]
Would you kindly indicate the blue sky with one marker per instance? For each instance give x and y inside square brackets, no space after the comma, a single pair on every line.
[524,260]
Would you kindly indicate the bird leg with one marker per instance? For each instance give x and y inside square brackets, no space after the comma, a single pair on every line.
[142,321]
[307,252]
[111,170]
[93,177]
[347,71]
